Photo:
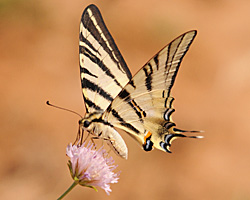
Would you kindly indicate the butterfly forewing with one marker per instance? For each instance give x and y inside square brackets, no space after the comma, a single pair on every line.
[103,70]
[144,107]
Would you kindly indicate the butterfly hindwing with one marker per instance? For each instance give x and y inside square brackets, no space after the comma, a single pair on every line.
[144,107]
[103,70]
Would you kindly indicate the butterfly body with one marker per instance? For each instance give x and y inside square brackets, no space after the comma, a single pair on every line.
[140,105]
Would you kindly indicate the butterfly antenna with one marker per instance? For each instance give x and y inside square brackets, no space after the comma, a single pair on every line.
[49,104]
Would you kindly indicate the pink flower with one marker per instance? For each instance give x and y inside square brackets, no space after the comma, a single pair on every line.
[91,168]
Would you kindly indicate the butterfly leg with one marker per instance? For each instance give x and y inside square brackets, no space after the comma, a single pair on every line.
[106,139]
[79,137]
[97,137]
[92,140]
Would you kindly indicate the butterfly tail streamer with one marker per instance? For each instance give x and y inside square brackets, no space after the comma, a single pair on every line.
[178,133]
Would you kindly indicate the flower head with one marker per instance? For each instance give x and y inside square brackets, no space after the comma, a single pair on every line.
[89,167]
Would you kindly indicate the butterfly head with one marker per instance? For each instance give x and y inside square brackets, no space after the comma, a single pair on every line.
[88,121]
[85,123]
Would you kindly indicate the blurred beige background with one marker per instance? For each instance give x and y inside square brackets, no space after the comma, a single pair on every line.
[39,62]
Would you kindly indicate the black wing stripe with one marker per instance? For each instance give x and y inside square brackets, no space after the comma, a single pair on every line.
[91,104]
[84,40]
[95,88]
[99,120]
[86,71]
[140,113]
[123,123]
[156,61]
[148,73]
[132,83]
[177,67]
[168,50]
[125,95]
[96,60]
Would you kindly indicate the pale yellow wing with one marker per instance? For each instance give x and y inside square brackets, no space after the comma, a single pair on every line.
[144,107]
[103,70]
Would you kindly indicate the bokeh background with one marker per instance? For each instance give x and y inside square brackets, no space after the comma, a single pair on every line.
[39,62]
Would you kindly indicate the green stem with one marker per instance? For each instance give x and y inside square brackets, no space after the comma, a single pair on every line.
[68,190]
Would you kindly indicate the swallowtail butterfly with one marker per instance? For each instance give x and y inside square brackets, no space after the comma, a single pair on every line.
[140,105]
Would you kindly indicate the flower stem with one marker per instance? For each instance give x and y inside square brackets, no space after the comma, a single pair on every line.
[68,190]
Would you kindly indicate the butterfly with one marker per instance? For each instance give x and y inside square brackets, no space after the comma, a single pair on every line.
[140,105]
